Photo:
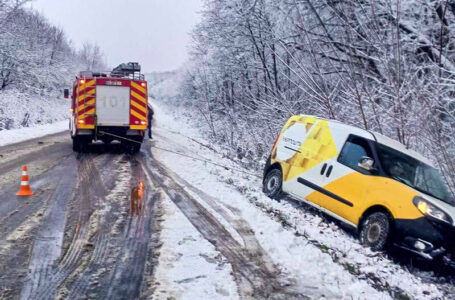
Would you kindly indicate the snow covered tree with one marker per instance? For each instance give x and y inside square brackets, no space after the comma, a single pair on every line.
[36,62]
[91,56]
[384,65]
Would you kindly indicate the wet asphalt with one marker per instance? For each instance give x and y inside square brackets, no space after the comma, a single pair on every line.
[86,233]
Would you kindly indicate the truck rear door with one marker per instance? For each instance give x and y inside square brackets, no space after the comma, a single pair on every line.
[112,105]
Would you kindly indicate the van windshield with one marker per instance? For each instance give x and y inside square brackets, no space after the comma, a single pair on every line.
[414,173]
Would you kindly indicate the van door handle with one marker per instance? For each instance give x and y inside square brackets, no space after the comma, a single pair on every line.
[323,169]
[329,171]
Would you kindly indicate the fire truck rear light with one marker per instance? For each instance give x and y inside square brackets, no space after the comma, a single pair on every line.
[82,81]
[143,122]
[81,121]
[143,84]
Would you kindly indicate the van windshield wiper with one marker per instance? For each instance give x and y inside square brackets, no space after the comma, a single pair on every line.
[404,181]
[413,186]
[448,201]
[427,192]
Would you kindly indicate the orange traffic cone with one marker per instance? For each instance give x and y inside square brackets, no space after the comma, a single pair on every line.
[25,185]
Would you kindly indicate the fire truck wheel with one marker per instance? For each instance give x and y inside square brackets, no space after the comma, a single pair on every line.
[135,148]
[131,147]
[79,144]
[76,144]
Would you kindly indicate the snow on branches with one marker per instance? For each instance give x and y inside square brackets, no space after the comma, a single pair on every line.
[383,65]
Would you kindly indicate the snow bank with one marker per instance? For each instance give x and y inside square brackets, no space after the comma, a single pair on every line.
[189,267]
[300,260]
[24,117]
[19,110]
[22,134]
[307,247]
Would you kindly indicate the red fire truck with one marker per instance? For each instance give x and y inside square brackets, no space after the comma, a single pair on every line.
[109,106]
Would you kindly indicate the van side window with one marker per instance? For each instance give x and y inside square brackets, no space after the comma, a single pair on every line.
[353,150]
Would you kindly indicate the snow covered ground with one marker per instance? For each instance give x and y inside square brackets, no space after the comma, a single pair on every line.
[18,110]
[317,254]
[26,133]
[24,117]
[189,266]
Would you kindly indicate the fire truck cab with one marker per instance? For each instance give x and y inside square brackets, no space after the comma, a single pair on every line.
[109,106]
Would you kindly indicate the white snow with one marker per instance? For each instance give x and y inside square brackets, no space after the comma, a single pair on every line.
[189,267]
[26,133]
[306,251]
[222,220]
[24,116]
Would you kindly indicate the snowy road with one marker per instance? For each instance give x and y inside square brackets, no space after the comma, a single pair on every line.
[107,225]
[78,235]
[89,229]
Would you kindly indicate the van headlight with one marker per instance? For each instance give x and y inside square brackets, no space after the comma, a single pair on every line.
[430,210]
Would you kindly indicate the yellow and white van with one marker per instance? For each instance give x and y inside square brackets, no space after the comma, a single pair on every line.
[366,180]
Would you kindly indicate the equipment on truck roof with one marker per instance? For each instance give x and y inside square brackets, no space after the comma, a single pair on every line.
[131,70]
[90,74]
[126,69]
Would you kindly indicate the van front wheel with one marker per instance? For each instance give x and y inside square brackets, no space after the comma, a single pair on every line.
[375,231]
[273,183]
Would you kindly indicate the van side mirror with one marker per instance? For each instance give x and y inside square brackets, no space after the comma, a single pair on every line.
[66,93]
[366,163]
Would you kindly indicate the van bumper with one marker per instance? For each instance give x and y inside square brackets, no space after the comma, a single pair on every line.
[426,237]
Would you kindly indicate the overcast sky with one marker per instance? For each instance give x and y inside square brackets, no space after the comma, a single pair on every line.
[156,33]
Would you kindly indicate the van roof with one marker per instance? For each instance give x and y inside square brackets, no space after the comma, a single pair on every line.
[381,139]
[386,141]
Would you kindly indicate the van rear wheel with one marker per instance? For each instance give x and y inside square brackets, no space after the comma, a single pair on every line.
[375,231]
[272,185]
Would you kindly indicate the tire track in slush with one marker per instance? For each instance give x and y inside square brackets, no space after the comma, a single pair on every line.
[53,152]
[93,190]
[47,246]
[127,254]
[127,279]
[103,242]
[253,269]
[45,274]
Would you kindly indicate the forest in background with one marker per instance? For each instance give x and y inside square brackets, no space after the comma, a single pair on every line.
[383,65]
[37,61]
